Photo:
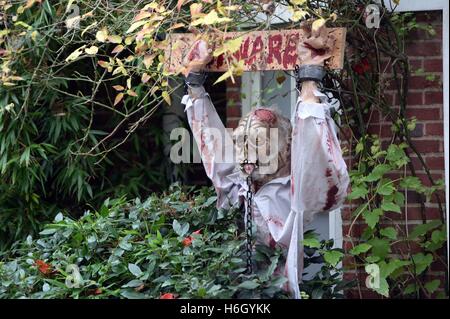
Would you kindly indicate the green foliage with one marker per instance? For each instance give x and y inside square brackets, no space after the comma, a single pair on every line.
[63,144]
[139,250]
[380,194]
[178,243]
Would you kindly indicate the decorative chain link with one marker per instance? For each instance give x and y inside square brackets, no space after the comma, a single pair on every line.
[249,225]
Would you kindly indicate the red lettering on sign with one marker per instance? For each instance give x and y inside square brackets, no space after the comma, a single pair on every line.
[290,52]
[275,42]
[257,48]
[220,61]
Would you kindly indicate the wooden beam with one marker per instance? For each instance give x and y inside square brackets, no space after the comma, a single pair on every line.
[260,50]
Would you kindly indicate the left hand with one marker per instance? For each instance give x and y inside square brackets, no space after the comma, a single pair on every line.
[316,49]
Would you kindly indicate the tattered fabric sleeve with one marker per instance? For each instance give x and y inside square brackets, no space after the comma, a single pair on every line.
[319,177]
[214,143]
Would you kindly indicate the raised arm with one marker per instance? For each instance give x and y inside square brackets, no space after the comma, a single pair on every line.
[213,140]
[319,177]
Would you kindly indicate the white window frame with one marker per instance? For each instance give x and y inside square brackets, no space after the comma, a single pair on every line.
[251,83]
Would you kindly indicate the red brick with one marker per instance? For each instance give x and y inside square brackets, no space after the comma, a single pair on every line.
[420,82]
[434,129]
[419,48]
[380,130]
[415,64]
[415,98]
[432,65]
[232,123]
[234,111]
[434,98]
[435,163]
[424,114]
[237,82]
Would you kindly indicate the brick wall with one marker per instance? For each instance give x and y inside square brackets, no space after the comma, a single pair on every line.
[425,102]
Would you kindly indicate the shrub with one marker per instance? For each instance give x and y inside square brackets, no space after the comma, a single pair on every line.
[177,245]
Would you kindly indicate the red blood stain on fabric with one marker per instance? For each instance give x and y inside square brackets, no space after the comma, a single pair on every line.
[331,197]
[275,221]
[328,172]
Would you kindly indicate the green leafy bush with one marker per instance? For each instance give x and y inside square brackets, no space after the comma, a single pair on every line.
[177,245]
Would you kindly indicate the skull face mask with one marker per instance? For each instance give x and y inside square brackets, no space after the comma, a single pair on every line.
[262,143]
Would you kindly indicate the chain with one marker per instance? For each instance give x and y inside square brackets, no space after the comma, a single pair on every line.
[249,226]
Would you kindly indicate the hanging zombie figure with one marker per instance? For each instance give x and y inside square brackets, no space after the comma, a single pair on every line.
[284,171]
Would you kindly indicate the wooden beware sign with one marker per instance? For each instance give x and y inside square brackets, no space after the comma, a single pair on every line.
[260,50]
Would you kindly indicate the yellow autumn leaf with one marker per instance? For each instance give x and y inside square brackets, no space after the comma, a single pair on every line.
[196,9]
[132,93]
[142,15]
[298,15]
[103,64]
[118,98]
[179,4]
[136,25]
[129,40]
[75,54]
[118,88]
[317,24]
[88,27]
[224,76]
[118,49]
[298,2]
[154,89]
[129,83]
[92,50]
[148,60]
[145,78]
[211,18]
[115,39]
[102,35]
[166,97]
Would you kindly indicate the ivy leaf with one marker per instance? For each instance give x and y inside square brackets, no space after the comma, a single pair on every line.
[378,172]
[432,286]
[333,257]
[361,248]
[391,207]
[372,217]
[389,232]
[411,183]
[311,242]
[358,192]
[422,229]
[386,188]
[382,288]
[380,247]
[422,262]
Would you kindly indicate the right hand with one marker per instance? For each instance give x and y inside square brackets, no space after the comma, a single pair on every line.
[197,57]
